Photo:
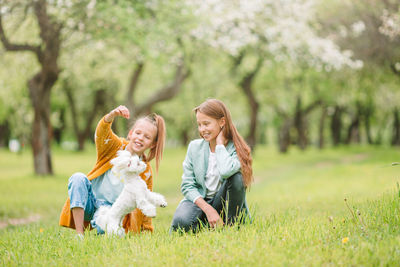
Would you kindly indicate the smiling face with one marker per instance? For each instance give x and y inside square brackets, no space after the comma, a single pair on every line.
[142,137]
[208,127]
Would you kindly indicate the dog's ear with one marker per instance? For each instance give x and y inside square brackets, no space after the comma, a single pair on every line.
[135,160]
[117,166]
[142,166]
[120,162]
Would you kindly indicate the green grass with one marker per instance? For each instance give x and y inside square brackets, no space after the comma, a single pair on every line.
[297,202]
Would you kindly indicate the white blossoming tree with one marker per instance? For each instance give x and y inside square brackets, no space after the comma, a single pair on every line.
[390,24]
[370,29]
[254,31]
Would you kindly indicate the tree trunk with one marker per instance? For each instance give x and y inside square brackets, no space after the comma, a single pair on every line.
[165,93]
[353,132]
[336,126]
[4,134]
[262,130]
[134,80]
[185,137]
[396,128]
[40,84]
[99,101]
[58,131]
[321,143]
[246,84]
[367,117]
[299,124]
[254,107]
[81,138]
[284,135]
[39,88]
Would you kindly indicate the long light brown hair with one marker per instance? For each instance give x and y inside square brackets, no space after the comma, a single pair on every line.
[217,109]
[159,141]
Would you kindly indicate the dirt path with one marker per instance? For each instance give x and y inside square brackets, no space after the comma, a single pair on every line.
[20,221]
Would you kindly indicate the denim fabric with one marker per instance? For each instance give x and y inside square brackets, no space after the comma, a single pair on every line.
[229,202]
[81,195]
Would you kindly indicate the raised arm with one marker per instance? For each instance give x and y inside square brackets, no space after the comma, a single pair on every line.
[118,111]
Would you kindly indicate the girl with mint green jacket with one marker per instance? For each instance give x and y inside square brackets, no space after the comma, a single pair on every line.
[216,172]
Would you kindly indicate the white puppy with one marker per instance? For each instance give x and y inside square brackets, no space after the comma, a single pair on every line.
[135,194]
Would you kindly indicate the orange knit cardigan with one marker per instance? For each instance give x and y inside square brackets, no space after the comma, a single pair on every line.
[107,145]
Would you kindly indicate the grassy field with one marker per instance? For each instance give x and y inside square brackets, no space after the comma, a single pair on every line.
[332,207]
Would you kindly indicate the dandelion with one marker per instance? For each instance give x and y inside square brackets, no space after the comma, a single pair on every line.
[41,230]
[345,240]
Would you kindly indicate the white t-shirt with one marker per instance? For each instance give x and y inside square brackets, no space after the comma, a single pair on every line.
[107,187]
[212,180]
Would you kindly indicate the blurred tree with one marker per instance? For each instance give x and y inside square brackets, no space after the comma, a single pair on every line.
[40,85]
[5,132]
[369,28]
[103,100]
[54,23]
[15,106]
[391,21]
[146,34]
[278,30]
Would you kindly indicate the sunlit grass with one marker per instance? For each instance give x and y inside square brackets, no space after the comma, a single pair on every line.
[297,203]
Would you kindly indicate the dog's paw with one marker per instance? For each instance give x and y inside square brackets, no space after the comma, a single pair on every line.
[163,204]
[149,211]
[159,200]
[120,232]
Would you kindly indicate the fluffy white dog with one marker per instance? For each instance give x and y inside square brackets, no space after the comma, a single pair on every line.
[135,194]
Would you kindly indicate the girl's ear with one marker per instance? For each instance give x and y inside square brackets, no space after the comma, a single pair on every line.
[153,145]
[222,122]
[130,134]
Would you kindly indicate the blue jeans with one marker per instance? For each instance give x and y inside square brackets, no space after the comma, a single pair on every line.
[229,202]
[81,196]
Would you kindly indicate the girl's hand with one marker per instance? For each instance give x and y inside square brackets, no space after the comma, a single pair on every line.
[119,111]
[221,140]
[213,218]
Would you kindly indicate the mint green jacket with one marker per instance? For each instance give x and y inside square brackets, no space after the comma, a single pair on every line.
[195,166]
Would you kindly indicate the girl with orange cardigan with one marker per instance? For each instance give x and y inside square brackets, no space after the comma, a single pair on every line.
[99,187]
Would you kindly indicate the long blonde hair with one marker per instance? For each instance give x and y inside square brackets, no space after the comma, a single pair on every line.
[157,150]
[217,109]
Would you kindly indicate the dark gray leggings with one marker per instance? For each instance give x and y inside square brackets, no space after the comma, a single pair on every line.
[229,202]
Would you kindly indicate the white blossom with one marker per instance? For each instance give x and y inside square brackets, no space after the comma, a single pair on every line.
[283,26]
[90,8]
[390,24]
[397,66]
[358,28]
[3,10]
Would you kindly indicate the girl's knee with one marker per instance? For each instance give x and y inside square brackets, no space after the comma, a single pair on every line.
[180,222]
[236,181]
[183,220]
[77,179]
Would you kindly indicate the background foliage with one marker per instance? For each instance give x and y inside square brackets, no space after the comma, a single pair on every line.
[293,73]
